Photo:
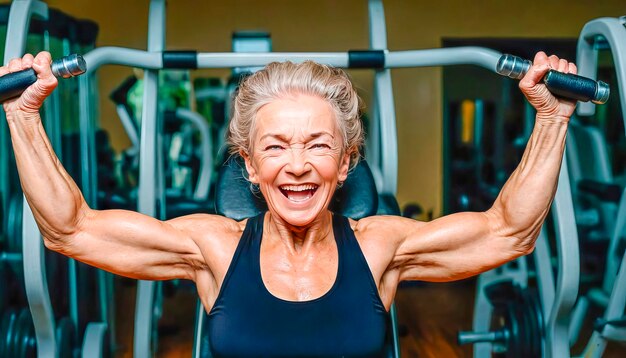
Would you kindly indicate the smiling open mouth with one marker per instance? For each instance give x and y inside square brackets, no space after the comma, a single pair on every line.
[298,193]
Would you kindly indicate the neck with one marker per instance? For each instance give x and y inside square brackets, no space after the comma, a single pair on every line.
[298,239]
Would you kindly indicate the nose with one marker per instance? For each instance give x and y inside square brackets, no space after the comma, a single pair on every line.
[298,163]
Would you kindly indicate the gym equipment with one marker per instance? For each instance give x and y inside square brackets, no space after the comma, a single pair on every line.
[33,253]
[517,321]
[608,34]
[565,224]
[565,85]
[555,298]
[596,195]
[154,59]
[13,84]
[17,334]
[151,197]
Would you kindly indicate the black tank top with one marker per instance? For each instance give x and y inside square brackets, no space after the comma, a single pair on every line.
[248,321]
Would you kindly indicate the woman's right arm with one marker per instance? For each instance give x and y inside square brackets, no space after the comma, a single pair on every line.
[123,242]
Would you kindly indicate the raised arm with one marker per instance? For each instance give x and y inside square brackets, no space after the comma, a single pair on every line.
[123,242]
[465,244]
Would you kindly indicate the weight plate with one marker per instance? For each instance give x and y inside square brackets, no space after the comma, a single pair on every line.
[517,313]
[18,334]
[14,337]
[57,277]
[524,327]
[27,344]
[6,331]
[4,282]
[536,322]
[14,224]
[65,337]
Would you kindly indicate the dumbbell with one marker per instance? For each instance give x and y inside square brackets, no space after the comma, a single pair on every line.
[565,85]
[13,84]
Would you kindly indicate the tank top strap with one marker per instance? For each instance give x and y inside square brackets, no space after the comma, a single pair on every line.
[344,236]
[250,237]
[352,255]
[245,248]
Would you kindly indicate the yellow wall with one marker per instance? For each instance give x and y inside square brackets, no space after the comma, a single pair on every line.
[327,25]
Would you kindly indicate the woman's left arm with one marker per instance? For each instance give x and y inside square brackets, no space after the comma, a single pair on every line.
[465,244]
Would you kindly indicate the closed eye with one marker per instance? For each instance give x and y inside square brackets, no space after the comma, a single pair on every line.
[273,147]
[320,146]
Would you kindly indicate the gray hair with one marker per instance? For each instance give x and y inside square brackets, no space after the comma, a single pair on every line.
[282,79]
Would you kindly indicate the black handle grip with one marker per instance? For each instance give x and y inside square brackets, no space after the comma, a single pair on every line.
[13,84]
[564,85]
[576,87]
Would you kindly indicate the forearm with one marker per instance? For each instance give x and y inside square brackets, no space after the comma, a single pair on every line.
[54,198]
[525,199]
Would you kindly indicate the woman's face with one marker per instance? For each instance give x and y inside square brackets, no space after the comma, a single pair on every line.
[297,157]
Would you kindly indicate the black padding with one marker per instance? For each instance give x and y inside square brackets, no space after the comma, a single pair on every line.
[87,32]
[388,205]
[603,191]
[366,59]
[120,94]
[250,35]
[233,194]
[356,199]
[4,14]
[59,24]
[177,206]
[180,59]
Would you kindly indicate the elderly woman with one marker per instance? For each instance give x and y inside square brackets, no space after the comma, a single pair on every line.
[297,280]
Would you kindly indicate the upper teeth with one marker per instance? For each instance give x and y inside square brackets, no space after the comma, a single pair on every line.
[298,187]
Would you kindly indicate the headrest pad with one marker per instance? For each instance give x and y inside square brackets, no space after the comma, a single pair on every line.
[356,199]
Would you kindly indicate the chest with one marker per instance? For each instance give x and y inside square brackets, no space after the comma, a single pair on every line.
[300,276]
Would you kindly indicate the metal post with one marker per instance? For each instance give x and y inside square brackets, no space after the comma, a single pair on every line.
[148,191]
[33,252]
[568,276]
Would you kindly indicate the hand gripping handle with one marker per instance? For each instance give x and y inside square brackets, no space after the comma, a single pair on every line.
[564,85]
[13,84]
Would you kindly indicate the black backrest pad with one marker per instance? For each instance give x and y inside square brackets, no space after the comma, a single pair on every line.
[356,199]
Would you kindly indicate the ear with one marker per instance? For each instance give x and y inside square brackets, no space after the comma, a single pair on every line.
[252,175]
[344,166]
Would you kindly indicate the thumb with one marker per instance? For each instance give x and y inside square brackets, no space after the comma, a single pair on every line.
[42,66]
[34,95]
[537,71]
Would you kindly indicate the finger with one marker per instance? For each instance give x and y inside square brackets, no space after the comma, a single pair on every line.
[4,70]
[536,73]
[27,61]
[563,67]
[572,68]
[540,58]
[15,65]
[554,62]
[41,64]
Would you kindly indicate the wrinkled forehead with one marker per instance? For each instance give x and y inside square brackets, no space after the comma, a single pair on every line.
[296,118]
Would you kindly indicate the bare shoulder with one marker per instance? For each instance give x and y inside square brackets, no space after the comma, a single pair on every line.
[387,228]
[379,237]
[195,224]
[216,236]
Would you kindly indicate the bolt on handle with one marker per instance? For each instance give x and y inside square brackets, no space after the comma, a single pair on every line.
[69,66]
[512,66]
[13,84]
[564,85]
[468,337]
